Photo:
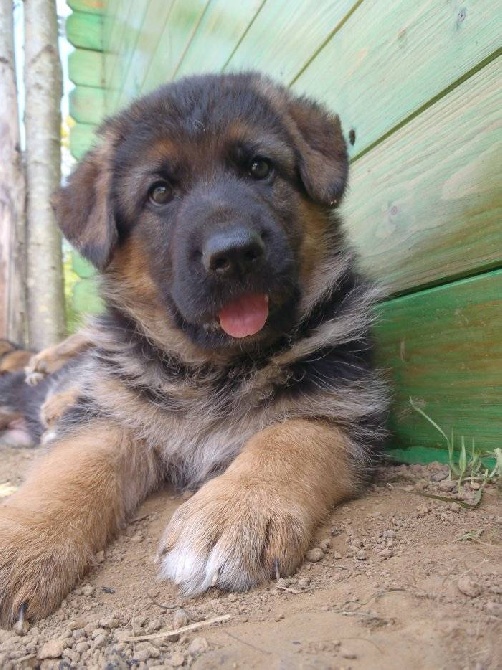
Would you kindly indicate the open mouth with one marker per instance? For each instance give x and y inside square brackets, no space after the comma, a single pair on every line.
[244,316]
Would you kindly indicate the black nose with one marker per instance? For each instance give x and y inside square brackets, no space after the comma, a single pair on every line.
[235,251]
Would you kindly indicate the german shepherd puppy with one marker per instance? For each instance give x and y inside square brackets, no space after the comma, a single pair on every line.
[234,356]
[13,358]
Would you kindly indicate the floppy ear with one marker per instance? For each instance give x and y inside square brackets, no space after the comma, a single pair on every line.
[322,151]
[83,210]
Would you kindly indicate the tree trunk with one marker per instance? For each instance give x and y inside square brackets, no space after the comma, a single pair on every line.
[42,121]
[12,192]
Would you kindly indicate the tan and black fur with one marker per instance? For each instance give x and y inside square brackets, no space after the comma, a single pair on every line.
[273,429]
[13,357]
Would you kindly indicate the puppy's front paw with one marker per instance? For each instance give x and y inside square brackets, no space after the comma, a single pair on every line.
[37,566]
[233,535]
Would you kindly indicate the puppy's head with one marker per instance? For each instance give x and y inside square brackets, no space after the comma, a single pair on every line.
[208,202]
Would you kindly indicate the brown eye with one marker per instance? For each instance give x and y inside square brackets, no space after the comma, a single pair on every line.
[260,168]
[160,193]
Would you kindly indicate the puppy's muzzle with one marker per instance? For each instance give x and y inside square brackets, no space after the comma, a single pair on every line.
[234,252]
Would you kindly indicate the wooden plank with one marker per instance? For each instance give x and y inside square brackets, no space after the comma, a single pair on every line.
[86,67]
[443,349]
[175,38]
[87,104]
[109,20]
[285,35]
[85,30]
[418,202]
[90,6]
[148,43]
[113,56]
[219,32]
[391,58]
[128,51]
[82,137]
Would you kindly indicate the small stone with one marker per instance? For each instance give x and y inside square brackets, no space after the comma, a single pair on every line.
[232,597]
[77,623]
[180,618]
[72,656]
[87,590]
[145,651]
[348,655]
[439,476]
[109,622]
[325,545]
[177,659]
[137,538]
[314,555]
[337,555]
[21,627]
[98,631]
[52,649]
[99,641]
[153,625]
[82,647]
[469,587]
[198,646]
[447,485]
[304,582]
[282,583]
[386,553]
[100,557]
[362,555]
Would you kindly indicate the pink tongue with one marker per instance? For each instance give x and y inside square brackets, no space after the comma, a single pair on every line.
[245,316]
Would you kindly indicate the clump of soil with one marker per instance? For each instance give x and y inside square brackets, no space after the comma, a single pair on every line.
[409,576]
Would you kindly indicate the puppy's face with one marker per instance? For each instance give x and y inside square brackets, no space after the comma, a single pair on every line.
[214,193]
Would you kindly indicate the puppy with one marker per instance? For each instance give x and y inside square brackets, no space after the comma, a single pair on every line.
[234,357]
[52,359]
[12,357]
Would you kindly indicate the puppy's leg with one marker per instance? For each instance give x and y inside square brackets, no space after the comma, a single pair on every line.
[259,516]
[71,504]
[56,404]
[53,358]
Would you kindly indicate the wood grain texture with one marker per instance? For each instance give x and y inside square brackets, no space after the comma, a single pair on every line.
[390,58]
[85,30]
[147,43]
[86,67]
[443,349]
[109,21]
[425,206]
[114,31]
[181,25]
[285,35]
[128,51]
[218,34]
[87,104]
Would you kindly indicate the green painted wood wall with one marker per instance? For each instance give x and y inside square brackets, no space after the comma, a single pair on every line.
[420,86]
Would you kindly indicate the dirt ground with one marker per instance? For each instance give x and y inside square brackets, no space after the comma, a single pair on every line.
[396,580]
